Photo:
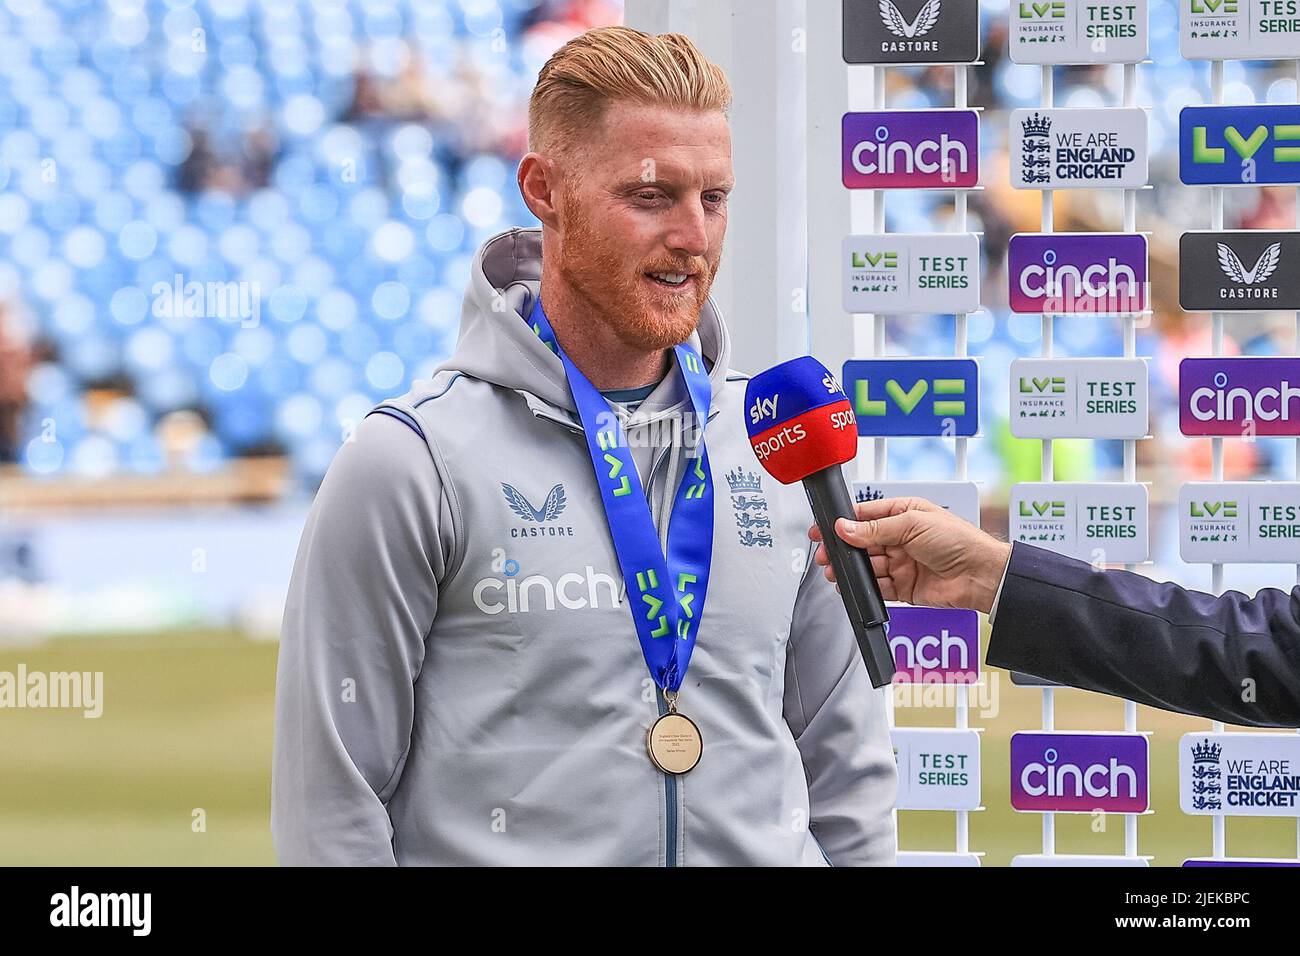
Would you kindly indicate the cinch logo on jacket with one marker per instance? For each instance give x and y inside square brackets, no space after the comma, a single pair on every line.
[550,510]
[570,590]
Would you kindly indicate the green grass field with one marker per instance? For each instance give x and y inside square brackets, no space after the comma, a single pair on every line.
[187,727]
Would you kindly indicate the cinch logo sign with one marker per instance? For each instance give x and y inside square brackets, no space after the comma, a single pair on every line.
[1239,145]
[1077,273]
[911,149]
[1236,396]
[934,645]
[914,397]
[1079,773]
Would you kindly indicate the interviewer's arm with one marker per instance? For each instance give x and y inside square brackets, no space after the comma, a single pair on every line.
[1232,658]
[361,600]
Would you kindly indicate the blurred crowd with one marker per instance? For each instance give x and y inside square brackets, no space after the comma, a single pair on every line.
[334,164]
[257,215]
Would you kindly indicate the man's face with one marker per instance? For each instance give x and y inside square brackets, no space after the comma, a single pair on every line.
[650,197]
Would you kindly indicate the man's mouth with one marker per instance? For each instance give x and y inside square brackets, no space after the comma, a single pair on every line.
[671,280]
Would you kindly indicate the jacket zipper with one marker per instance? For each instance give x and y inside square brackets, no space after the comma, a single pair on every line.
[670,803]
[670,780]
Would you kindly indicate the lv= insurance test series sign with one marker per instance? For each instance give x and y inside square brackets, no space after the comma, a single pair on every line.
[900,273]
[1078,31]
[1238,29]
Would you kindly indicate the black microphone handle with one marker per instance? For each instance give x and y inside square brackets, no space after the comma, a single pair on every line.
[829,496]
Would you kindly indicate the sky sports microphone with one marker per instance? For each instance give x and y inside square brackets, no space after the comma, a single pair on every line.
[802,428]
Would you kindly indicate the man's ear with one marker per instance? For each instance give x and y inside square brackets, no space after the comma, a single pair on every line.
[537,184]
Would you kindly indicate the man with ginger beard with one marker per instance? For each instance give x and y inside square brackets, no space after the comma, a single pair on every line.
[497,647]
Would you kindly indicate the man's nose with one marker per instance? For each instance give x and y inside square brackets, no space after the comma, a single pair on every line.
[689,234]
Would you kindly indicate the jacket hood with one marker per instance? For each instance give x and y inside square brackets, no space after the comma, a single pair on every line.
[497,345]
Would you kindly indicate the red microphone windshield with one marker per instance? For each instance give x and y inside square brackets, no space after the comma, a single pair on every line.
[810,441]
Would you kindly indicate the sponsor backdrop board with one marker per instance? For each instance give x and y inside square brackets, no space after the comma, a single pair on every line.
[939,645]
[1078,31]
[1079,772]
[1078,148]
[1247,522]
[1077,273]
[938,768]
[1238,29]
[1237,861]
[962,498]
[1077,859]
[917,397]
[1239,271]
[1079,398]
[900,273]
[1091,521]
[1238,396]
[911,31]
[911,149]
[1239,145]
[936,858]
[1254,775]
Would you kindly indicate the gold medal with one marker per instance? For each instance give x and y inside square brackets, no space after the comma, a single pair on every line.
[674,742]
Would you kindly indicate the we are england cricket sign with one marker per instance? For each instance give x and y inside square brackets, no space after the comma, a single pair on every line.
[911,31]
[1078,148]
[1078,31]
[1239,774]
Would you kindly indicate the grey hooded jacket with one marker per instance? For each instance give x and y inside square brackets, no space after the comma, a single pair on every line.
[459,681]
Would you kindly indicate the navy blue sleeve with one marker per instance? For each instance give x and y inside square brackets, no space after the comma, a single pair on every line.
[1232,658]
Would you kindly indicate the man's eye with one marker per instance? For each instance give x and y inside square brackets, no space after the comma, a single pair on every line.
[647,195]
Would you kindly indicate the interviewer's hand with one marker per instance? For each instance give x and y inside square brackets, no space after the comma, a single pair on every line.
[922,554]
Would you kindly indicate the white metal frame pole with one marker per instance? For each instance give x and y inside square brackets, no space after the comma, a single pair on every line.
[1130,444]
[1218,831]
[1296,351]
[1046,469]
[880,446]
[960,88]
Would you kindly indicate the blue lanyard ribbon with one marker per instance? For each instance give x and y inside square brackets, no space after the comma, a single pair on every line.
[665,596]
